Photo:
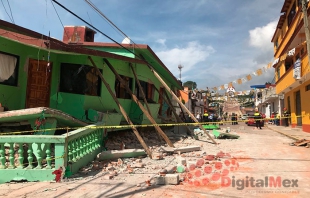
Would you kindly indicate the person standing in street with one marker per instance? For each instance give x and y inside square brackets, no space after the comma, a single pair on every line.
[286,115]
[257,118]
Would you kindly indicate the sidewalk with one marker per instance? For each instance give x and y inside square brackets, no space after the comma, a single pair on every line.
[293,133]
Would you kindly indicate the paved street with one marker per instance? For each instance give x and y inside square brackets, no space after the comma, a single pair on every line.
[257,154]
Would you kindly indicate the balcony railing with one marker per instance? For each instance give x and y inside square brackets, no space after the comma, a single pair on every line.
[35,157]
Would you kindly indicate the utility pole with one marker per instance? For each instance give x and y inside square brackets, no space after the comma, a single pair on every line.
[304,6]
[180,68]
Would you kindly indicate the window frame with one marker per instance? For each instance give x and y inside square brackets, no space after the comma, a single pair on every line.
[15,73]
[80,81]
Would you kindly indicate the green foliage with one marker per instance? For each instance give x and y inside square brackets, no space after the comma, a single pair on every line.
[190,84]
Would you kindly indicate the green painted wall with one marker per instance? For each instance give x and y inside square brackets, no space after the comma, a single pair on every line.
[73,104]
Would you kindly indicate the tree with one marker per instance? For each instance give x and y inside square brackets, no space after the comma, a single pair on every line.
[190,84]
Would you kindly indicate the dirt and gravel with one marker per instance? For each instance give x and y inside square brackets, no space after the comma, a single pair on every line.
[233,168]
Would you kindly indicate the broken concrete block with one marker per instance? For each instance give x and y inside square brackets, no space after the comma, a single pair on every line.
[181,160]
[168,179]
[187,149]
[166,149]
[126,153]
[159,180]
[157,155]
[172,179]
[138,165]
[171,169]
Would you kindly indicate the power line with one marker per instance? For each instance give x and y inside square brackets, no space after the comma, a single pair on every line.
[60,20]
[6,11]
[95,28]
[101,14]
[11,11]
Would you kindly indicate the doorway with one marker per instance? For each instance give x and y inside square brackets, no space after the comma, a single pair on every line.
[298,108]
[38,83]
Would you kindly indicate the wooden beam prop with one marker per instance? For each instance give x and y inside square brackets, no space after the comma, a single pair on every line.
[168,101]
[180,103]
[140,87]
[146,148]
[142,92]
[136,100]
[177,116]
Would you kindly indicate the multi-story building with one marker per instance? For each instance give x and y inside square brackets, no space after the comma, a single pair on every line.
[292,64]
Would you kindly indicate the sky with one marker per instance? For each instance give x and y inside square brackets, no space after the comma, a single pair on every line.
[216,41]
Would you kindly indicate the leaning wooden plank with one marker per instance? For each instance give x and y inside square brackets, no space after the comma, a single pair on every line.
[136,100]
[303,143]
[180,103]
[175,114]
[141,91]
[146,148]
[140,87]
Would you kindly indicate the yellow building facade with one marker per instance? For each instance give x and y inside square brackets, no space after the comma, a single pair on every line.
[291,63]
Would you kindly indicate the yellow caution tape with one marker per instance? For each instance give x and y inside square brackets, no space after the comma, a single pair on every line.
[140,126]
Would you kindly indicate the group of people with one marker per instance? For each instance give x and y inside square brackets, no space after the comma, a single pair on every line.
[275,117]
[213,117]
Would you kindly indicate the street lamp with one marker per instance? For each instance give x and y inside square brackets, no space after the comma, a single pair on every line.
[180,68]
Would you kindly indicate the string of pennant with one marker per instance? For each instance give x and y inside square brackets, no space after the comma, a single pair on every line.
[258,72]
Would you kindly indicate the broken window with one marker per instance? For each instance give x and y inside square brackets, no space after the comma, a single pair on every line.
[79,79]
[148,89]
[8,69]
[120,89]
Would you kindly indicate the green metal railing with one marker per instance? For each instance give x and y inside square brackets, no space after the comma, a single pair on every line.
[35,157]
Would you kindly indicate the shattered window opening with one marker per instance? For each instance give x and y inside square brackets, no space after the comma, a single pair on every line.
[120,89]
[79,79]
[148,89]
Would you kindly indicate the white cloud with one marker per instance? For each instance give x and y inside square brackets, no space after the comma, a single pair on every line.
[188,56]
[260,37]
[161,41]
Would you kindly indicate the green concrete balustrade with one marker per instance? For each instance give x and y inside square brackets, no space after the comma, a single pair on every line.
[35,157]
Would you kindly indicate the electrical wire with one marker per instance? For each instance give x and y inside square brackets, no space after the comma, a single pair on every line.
[7,12]
[60,19]
[11,11]
[97,29]
[105,17]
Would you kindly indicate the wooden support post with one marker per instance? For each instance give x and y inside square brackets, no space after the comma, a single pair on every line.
[168,101]
[136,132]
[142,92]
[136,100]
[177,116]
[140,88]
[180,103]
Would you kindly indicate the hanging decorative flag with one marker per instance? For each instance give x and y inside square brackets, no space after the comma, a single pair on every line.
[222,87]
[225,86]
[243,80]
[297,69]
[283,57]
[265,68]
[230,84]
[259,72]
[291,52]
[275,62]
[214,88]
[254,73]
[239,81]
[235,81]
[269,65]
[249,77]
